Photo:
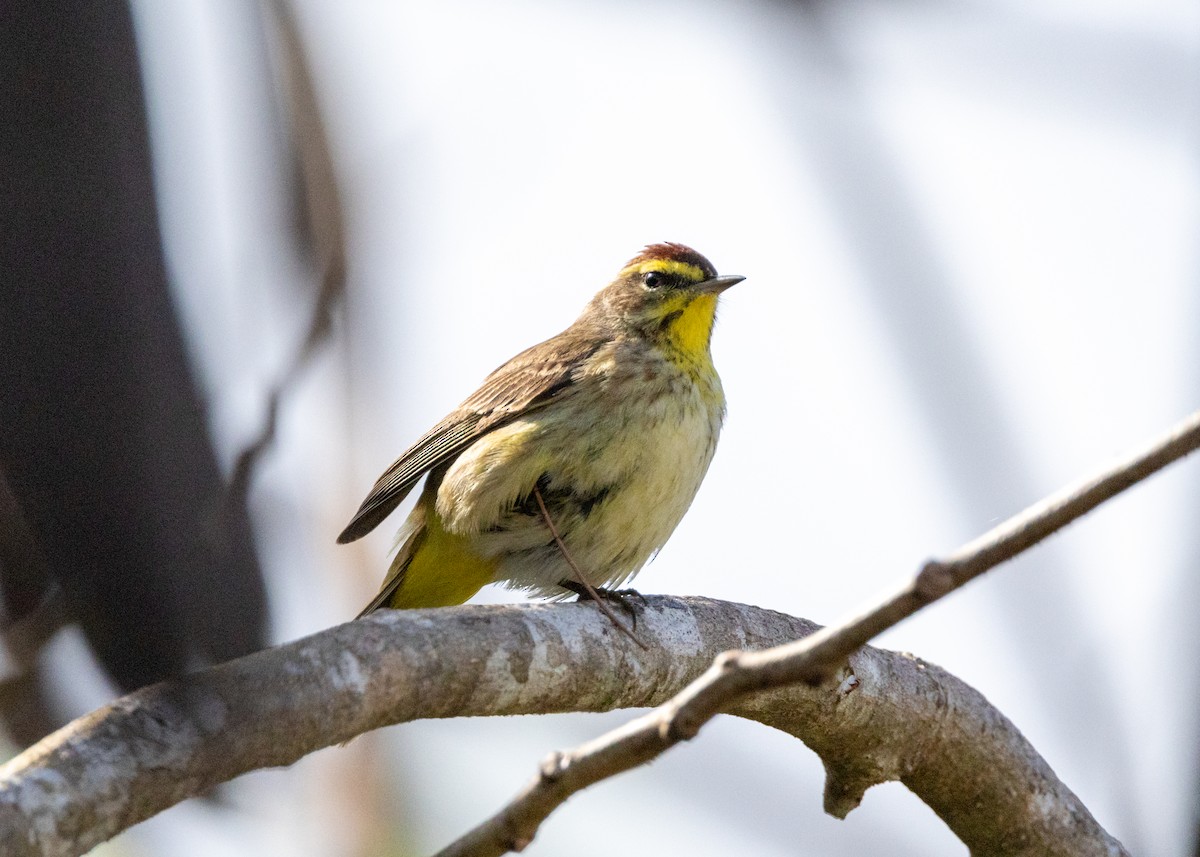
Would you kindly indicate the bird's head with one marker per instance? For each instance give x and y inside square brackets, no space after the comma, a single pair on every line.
[668,293]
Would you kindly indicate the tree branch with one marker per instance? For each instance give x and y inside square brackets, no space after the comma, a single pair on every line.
[888,717]
[737,675]
[156,747]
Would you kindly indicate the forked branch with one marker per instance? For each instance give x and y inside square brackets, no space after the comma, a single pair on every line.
[888,716]
[735,676]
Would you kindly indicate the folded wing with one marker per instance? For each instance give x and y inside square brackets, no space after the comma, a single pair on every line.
[524,384]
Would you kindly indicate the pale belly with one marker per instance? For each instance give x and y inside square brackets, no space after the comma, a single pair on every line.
[615,489]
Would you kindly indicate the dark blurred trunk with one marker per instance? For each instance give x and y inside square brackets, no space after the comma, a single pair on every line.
[103,437]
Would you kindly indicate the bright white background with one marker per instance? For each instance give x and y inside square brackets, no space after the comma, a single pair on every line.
[969,232]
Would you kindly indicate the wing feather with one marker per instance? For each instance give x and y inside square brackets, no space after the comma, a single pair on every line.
[524,384]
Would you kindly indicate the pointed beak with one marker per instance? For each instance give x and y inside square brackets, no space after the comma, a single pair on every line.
[718,284]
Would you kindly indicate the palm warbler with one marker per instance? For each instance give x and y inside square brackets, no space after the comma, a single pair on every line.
[577,458]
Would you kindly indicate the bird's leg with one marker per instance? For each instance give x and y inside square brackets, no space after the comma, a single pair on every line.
[582,578]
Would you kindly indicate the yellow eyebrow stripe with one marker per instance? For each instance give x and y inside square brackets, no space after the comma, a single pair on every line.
[668,266]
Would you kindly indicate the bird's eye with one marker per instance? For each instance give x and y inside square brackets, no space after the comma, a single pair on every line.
[653,280]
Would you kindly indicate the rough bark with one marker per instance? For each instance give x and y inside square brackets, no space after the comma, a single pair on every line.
[898,719]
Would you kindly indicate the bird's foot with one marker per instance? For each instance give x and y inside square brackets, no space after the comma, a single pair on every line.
[620,597]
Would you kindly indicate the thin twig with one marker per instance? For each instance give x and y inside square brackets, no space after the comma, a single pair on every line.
[736,675]
[321,221]
[587,584]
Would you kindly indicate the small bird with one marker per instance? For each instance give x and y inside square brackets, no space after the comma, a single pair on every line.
[574,461]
